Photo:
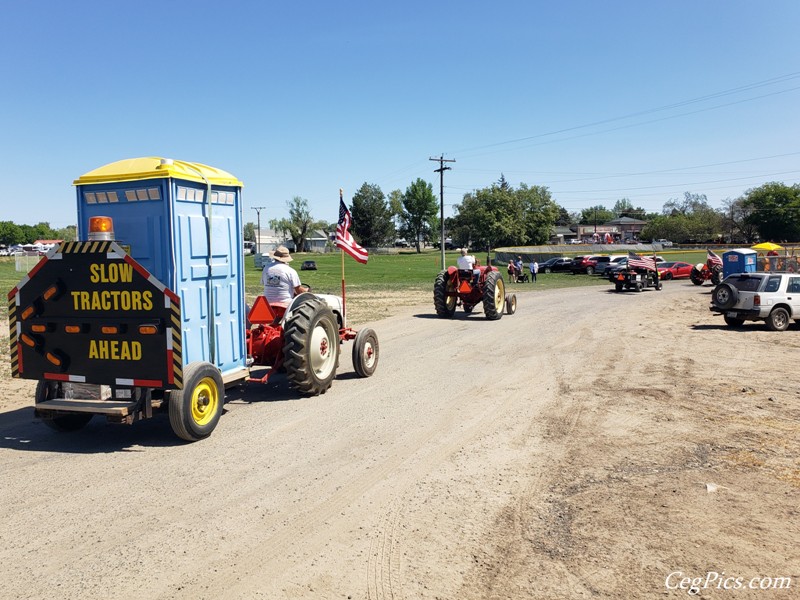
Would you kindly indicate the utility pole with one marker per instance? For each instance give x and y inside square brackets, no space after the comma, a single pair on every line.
[441,160]
[258,210]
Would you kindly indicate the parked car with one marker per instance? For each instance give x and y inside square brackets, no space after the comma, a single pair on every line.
[556,265]
[4,252]
[584,264]
[770,297]
[673,270]
[308,265]
[664,243]
[603,262]
[611,269]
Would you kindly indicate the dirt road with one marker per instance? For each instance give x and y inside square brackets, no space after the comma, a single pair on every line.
[594,445]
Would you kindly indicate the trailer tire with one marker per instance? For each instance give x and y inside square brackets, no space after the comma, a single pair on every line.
[365,352]
[444,304]
[494,296]
[311,347]
[47,390]
[194,411]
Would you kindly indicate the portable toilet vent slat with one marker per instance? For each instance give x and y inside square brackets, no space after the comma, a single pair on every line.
[182,221]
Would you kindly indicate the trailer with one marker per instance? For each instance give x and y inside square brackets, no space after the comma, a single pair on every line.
[147,312]
[636,280]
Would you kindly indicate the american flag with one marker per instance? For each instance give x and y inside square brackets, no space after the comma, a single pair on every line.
[344,240]
[714,258]
[640,262]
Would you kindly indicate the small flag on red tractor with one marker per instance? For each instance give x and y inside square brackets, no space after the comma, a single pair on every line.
[344,240]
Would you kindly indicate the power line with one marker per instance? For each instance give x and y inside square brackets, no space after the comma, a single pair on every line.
[746,87]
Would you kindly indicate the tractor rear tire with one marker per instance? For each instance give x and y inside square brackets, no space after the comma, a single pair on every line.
[696,276]
[311,347]
[365,352]
[445,304]
[48,390]
[511,304]
[494,295]
[194,411]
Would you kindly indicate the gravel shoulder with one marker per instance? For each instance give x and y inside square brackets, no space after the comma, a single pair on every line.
[586,447]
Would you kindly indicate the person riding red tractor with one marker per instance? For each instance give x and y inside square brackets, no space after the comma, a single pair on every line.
[468,288]
[708,271]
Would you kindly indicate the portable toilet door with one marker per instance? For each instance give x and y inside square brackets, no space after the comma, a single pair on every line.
[181,221]
[741,260]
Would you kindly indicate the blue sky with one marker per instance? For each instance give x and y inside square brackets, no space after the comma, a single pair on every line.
[598,101]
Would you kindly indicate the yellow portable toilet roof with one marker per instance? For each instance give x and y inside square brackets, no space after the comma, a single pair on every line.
[153,167]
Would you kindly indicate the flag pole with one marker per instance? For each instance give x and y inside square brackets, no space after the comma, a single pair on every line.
[341,252]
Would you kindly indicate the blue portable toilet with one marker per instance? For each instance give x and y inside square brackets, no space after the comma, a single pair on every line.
[740,260]
[182,221]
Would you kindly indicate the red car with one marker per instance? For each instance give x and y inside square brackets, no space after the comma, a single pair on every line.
[673,270]
[583,264]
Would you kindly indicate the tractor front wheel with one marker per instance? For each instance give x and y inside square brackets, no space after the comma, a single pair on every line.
[365,352]
[511,304]
[444,299]
[194,411]
[311,347]
[494,295]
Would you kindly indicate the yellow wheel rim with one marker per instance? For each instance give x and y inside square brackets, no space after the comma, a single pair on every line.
[205,400]
[451,300]
[499,295]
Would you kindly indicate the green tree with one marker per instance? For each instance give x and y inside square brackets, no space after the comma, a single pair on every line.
[564,218]
[687,220]
[299,224]
[11,233]
[539,213]
[419,212]
[596,215]
[503,216]
[739,226]
[372,217]
[775,211]
[67,234]
[249,232]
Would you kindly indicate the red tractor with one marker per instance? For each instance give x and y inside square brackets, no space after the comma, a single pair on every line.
[303,339]
[707,271]
[455,287]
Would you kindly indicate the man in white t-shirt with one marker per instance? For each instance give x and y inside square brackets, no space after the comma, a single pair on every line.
[466,262]
[281,282]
